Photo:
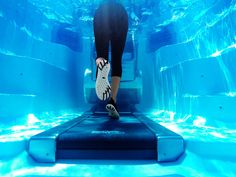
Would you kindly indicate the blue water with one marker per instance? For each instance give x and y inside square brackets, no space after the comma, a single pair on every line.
[185,52]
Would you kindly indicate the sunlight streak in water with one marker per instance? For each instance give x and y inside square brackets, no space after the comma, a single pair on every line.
[24,28]
[32,119]
[33,124]
[43,170]
[87,72]
[218,53]
[231,94]
[218,134]
[199,121]
[7,52]
[191,125]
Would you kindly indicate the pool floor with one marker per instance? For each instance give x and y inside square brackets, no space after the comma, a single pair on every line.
[209,152]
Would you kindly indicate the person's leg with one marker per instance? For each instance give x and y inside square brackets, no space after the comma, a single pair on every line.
[101,33]
[118,37]
[118,40]
[102,37]
[115,83]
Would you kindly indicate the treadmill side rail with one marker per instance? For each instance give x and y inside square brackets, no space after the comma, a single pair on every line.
[42,147]
[169,148]
[170,145]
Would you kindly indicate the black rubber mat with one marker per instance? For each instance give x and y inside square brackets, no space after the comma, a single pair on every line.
[108,138]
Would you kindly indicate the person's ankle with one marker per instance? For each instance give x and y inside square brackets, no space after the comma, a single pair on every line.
[114,99]
[98,60]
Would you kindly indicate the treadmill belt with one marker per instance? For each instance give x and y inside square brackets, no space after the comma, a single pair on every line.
[101,132]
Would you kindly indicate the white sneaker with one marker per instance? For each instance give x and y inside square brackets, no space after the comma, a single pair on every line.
[112,109]
[112,112]
[103,88]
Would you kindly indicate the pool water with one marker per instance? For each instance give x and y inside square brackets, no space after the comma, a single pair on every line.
[184,56]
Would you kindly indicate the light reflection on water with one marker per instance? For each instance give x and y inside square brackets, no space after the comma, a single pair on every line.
[21,166]
[194,126]
[187,125]
[33,124]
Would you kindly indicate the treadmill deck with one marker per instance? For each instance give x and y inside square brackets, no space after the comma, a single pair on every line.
[97,136]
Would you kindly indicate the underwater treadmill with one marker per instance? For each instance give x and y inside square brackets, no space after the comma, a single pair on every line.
[94,135]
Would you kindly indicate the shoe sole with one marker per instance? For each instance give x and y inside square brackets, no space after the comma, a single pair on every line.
[103,88]
[112,111]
